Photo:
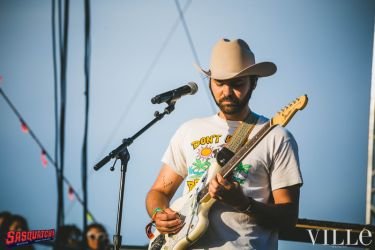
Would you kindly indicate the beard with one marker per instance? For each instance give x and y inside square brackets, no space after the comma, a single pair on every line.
[235,106]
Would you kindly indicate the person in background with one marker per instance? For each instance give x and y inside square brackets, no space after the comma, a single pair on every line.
[68,237]
[19,223]
[97,237]
[5,218]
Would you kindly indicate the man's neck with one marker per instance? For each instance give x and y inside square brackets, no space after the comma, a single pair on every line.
[241,116]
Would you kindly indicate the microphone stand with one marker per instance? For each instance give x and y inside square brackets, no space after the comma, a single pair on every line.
[122,153]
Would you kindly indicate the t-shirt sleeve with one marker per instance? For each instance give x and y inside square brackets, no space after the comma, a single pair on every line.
[286,170]
[174,156]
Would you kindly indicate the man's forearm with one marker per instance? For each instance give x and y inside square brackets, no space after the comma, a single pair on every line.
[156,199]
[281,216]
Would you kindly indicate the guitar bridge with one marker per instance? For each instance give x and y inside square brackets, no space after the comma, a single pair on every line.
[182,217]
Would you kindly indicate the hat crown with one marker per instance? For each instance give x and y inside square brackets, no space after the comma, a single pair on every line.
[231,57]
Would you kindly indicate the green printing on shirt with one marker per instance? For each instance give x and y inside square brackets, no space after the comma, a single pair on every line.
[241,172]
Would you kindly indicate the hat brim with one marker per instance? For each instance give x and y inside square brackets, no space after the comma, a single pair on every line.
[262,69]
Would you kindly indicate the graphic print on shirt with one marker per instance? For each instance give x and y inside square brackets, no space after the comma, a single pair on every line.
[196,171]
[241,172]
[205,150]
[211,139]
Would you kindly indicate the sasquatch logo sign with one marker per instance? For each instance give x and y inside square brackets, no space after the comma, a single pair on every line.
[23,238]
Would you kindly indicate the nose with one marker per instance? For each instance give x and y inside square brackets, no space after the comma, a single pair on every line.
[227,90]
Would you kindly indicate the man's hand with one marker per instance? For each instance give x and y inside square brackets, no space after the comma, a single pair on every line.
[168,221]
[228,192]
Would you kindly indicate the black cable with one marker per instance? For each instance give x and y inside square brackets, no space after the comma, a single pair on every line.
[87,95]
[61,41]
[59,182]
[55,80]
[192,47]
[63,66]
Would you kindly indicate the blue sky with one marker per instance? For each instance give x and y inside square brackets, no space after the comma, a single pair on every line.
[322,49]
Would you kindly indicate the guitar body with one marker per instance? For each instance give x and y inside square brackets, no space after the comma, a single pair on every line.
[195,216]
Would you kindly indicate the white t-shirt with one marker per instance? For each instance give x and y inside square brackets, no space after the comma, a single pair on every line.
[272,164]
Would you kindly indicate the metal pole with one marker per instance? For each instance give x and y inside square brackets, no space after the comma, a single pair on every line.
[370,206]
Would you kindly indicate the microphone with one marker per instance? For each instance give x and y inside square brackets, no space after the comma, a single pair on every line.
[191,88]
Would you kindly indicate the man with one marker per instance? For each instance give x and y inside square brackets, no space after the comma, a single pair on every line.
[263,195]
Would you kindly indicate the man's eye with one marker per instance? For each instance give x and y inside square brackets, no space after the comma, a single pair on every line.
[238,83]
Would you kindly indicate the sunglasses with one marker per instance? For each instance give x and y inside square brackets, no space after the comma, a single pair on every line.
[97,236]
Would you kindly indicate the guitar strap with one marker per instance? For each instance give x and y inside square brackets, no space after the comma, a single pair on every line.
[238,139]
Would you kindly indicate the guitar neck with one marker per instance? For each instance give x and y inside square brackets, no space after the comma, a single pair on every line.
[239,156]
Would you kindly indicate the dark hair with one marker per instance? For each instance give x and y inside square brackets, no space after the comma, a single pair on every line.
[96,225]
[7,216]
[21,220]
[253,80]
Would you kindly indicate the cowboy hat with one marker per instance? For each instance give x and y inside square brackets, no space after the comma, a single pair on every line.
[232,59]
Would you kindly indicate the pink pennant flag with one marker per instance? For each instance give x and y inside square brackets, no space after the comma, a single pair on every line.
[71,193]
[24,127]
[43,157]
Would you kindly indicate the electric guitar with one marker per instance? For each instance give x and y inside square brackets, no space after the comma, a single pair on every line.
[193,207]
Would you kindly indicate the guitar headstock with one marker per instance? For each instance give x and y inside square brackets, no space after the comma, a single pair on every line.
[286,114]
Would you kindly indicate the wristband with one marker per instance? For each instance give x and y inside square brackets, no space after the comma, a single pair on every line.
[250,208]
[155,211]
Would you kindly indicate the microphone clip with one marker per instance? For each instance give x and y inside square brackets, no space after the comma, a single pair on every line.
[169,109]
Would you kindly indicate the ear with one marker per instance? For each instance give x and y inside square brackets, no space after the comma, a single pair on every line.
[253,82]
